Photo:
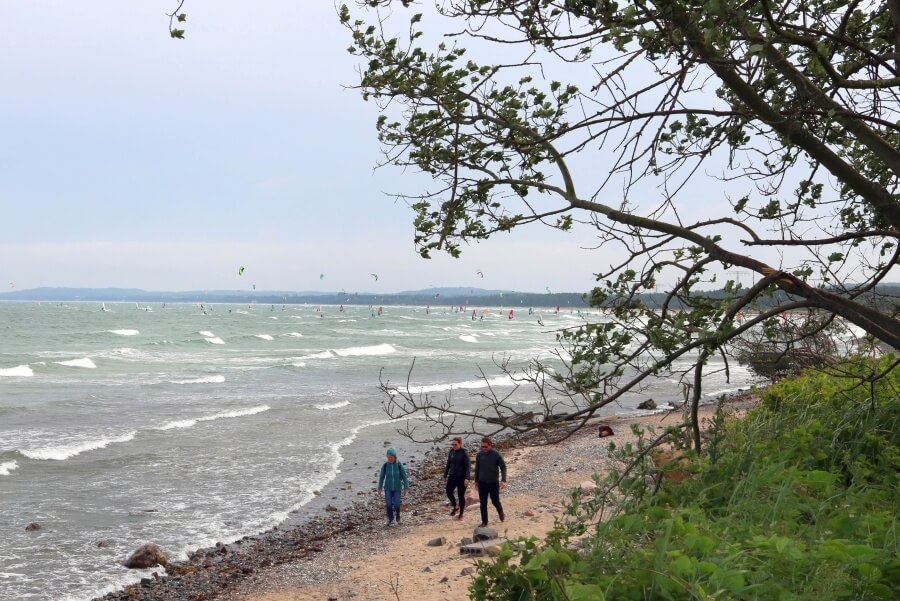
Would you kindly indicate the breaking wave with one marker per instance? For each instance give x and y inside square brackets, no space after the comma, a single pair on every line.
[204,380]
[85,362]
[20,371]
[62,452]
[357,351]
[124,332]
[327,406]
[468,384]
[187,423]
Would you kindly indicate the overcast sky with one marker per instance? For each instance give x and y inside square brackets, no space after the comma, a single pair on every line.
[129,159]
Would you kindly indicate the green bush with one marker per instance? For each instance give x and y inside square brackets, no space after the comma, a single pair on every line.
[798,500]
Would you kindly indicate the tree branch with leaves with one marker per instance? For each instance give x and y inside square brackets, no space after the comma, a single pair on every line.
[792,104]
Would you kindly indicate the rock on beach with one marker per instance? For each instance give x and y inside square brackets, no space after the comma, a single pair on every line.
[146,556]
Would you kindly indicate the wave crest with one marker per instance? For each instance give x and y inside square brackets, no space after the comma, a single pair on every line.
[203,380]
[327,406]
[20,371]
[63,452]
[124,332]
[494,381]
[358,351]
[85,363]
[187,423]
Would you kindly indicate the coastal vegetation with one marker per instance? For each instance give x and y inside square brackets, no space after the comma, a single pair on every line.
[797,500]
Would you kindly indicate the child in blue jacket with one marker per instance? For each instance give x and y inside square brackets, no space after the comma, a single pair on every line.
[392,480]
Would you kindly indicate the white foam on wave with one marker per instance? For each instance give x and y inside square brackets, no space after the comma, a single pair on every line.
[214,340]
[346,320]
[7,467]
[187,423]
[468,384]
[206,334]
[203,380]
[264,336]
[20,371]
[124,352]
[272,317]
[294,334]
[327,406]
[299,364]
[85,363]
[468,338]
[63,452]
[124,332]
[358,351]
[322,355]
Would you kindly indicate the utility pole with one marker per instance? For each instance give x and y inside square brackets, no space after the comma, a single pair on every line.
[737,275]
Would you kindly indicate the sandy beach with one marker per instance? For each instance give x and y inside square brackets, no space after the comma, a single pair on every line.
[378,563]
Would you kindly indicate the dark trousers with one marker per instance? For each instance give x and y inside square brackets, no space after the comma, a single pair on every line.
[491,489]
[457,484]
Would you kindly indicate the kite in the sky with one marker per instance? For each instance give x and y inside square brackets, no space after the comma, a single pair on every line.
[321,276]
[375,275]
[241,270]
[438,295]
[480,273]
[254,286]
[548,290]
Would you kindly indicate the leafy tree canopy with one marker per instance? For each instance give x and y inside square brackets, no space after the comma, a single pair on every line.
[612,114]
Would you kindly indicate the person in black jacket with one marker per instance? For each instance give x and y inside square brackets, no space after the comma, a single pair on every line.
[456,475]
[487,462]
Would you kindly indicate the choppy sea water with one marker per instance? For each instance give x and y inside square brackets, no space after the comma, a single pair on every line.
[168,424]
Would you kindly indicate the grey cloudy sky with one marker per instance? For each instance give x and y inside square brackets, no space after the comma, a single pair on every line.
[131,159]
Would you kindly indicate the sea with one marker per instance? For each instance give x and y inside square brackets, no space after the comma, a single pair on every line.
[187,424]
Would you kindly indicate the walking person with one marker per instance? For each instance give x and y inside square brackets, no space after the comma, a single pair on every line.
[487,462]
[393,480]
[457,475]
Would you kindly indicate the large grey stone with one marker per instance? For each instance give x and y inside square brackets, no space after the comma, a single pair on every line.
[146,556]
[485,547]
[484,533]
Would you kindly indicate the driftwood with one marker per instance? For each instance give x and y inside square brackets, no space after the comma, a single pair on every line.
[514,420]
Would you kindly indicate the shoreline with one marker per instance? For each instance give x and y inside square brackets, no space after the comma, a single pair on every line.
[313,558]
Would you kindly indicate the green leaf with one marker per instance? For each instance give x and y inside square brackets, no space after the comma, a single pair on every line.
[182,17]
[836,256]
[177,33]
[584,592]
